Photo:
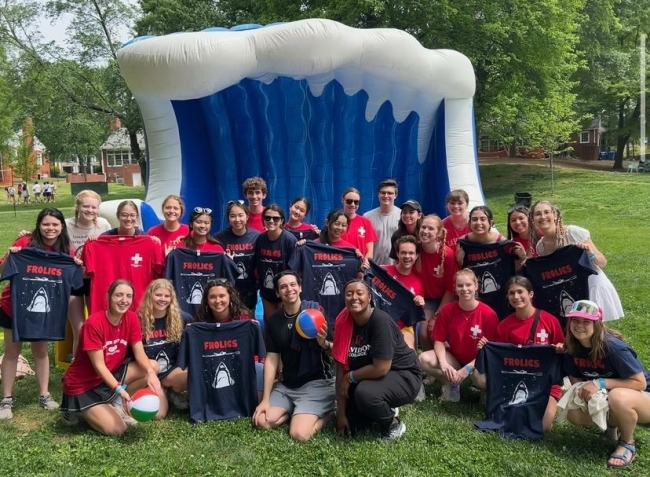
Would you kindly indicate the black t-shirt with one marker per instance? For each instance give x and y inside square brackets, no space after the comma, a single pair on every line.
[393,297]
[220,359]
[380,338]
[243,248]
[271,258]
[161,350]
[279,332]
[190,271]
[559,279]
[325,270]
[493,264]
[519,380]
[41,282]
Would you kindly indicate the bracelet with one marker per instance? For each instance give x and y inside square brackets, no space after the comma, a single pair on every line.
[592,256]
[351,377]
[601,383]
[117,385]
[119,389]
[327,346]
[468,368]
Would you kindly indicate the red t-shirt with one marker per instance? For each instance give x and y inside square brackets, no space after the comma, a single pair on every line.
[437,276]
[255,222]
[303,226]
[360,233]
[411,281]
[339,243]
[166,237]
[137,258]
[530,251]
[515,331]
[463,329]
[453,234]
[98,333]
[5,300]
[206,247]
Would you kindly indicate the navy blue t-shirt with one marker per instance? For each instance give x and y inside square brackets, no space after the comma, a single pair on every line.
[41,283]
[161,350]
[393,297]
[243,249]
[559,279]
[220,359]
[493,264]
[620,362]
[519,380]
[190,271]
[325,270]
[271,258]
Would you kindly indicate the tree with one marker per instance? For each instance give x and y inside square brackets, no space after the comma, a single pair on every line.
[23,162]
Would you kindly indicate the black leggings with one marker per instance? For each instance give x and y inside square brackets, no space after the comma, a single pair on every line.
[371,400]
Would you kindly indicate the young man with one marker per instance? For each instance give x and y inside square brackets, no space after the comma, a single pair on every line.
[384,220]
[36,189]
[255,192]
[305,394]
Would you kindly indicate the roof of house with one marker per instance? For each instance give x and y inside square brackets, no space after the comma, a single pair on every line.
[15,139]
[119,139]
[596,123]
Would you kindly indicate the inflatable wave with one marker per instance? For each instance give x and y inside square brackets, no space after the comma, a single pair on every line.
[311,106]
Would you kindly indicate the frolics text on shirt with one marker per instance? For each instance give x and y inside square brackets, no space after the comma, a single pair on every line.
[328,256]
[158,334]
[197,266]
[557,272]
[41,270]
[588,363]
[477,257]
[240,247]
[389,292]
[270,253]
[220,344]
[525,362]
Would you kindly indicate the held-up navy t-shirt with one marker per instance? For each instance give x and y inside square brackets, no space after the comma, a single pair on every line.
[41,283]
[159,349]
[243,249]
[220,359]
[271,258]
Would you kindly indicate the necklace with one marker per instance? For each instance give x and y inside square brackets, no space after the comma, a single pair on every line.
[291,315]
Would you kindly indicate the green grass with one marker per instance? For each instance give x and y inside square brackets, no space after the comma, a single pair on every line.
[440,439]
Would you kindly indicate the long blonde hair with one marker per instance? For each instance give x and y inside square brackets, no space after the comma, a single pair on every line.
[441,239]
[173,322]
[78,201]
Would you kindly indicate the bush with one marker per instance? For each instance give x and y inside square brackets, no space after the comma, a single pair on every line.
[55,171]
[97,169]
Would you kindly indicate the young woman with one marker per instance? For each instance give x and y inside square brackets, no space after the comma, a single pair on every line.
[409,223]
[517,329]
[171,231]
[298,210]
[547,219]
[519,229]
[457,222]
[162,323]
[360,232]
[239,241]
[376,372]
[335,226]
[461,324]
[128,216]
[273,250]
[50,234]
[198,237]
[437,267]
[99,382]
[599,356]
[85,225]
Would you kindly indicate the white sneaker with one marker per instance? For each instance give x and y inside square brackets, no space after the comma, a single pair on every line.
[128,420]
[5,408]
[422,395]
[395,411]
[46,401]
[395,431]
[450,393]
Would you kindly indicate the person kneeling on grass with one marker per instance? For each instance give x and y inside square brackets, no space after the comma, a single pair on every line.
[597,354]
[376,371]
[99,381]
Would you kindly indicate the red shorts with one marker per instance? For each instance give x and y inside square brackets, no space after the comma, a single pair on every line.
[556,392]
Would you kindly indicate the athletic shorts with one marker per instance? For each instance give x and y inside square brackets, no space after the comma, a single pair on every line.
[315,397]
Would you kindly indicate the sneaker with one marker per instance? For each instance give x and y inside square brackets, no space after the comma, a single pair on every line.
[128,420]
[450,393]
[46,401]
[395,411]
[179,400]
[422,395]
[395,431]
[5,408]
[70,418]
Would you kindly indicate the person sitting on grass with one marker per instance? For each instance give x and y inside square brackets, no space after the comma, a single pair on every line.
[598,355]
[99,382]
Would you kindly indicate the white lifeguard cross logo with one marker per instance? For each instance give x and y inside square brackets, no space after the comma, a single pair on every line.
[362,231]
[136,259]
[476,330]
[542,335]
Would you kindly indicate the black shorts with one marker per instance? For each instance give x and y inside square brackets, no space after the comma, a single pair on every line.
[83,291]
[101,394]
[5,320]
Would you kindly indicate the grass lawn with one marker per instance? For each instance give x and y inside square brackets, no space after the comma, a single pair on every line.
[440,439]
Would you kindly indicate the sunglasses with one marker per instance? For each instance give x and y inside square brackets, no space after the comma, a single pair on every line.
[203,210]
[351,201]
[218,282]
[236,202]
[586,306]
[268,218]
[518,208]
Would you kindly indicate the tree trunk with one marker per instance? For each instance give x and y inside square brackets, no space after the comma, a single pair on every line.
[513,149]
[137,153]
[623,137]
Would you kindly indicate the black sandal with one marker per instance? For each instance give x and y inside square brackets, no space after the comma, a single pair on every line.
[627,457]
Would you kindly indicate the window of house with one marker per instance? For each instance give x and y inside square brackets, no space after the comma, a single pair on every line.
[39,158]
[584,137]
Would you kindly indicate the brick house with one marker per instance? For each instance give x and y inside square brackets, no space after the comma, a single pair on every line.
[118,163]
[7,175]
[586,144]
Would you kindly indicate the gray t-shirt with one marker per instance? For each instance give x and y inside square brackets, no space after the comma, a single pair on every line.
[385,225]
[78,235]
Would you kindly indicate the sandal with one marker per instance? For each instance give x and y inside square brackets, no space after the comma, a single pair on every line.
[627,457]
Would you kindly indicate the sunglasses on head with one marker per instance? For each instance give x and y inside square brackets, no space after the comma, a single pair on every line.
[351,201]
[236,202]
[586,306]
[203,210]
[218,282]
[268,218]
[518,208]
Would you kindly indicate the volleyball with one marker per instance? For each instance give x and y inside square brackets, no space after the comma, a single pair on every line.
[144,405]
[309,323]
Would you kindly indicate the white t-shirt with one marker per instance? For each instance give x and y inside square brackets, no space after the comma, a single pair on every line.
[78,235]
[36,188]
[385,226]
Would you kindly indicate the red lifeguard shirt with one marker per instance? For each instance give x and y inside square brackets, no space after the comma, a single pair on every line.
[360,233]
[166,237]
[437,275]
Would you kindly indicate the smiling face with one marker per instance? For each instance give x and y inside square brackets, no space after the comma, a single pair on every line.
[272,220]
[128,218]
[479,223]
[544,217]
[409,217]
[581,329]
[162,298]
[357,298]
[237,218]
[255,197]
[298,211]
[120,300]
[89,208]
[519,223]
[289,289]
[50,229]
[337,228]
[457,208]
[351,202]
[201,226]
[219,303]
[172,210]
[466,286]
[387,195]
[407,255]
[430,230]
[518,297]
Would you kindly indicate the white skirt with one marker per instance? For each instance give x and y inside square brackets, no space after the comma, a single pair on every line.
[602,291]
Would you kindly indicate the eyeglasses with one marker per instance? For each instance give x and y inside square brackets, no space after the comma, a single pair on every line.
[270,218]
[202,210]
[236,202]
[218,282]
[351,201]
[128,216]
[386,192]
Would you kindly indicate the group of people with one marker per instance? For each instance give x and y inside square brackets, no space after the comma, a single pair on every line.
[473,285]
[42,193]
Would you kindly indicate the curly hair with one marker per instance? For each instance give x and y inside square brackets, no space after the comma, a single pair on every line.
[173,319]
[598,340]
[254,183]
[237,308]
